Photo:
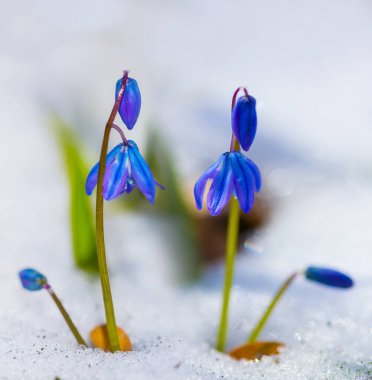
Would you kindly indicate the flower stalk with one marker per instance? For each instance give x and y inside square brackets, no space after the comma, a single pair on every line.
[231,248]
[262,322]
[101,252]
[66,316]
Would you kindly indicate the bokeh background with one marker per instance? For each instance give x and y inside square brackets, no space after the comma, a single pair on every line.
[308,64]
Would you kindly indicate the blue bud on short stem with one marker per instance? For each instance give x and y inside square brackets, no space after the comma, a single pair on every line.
[32,280]
[330,277]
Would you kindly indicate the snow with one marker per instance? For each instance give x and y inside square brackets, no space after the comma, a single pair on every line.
[308,65]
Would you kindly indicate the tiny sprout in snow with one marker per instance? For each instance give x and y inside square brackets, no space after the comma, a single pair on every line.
[130,104]
[33,280]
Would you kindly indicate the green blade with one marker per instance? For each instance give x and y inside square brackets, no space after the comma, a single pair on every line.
[81,213]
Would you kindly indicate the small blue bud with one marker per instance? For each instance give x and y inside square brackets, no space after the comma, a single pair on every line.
[32,279]
[244,121]
[328,277]
[130,105]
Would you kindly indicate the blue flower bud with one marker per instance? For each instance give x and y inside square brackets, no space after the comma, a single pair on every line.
[244,121]
[130,104]
[328,277]
[32,279]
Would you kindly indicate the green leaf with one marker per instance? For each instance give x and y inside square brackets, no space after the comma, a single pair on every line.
[81,213]
[171,203]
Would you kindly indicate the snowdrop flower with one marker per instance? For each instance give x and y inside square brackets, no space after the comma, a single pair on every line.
[130,104]
[330,277]
[31,279]
[232,174]
[125,168]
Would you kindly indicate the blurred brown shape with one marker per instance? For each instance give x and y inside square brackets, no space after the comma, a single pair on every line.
[99,339]
[256,350]
[211,230]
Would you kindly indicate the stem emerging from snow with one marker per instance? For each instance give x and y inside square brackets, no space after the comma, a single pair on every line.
[101,252]
[231,247]
[262,322]
[65,315]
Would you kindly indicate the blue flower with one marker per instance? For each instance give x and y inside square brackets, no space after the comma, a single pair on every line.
[233,173]
[125,168]
[32,279]
[329,277]
[244,121]
[130,104]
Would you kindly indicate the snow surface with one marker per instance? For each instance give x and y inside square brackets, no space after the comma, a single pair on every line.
[308,64]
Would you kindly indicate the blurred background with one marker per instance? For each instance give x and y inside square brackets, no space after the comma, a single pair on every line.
[308,64]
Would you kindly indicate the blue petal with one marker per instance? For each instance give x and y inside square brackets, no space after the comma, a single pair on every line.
[130,105]
[141,172]
[32,279]
[111,177]
[202,181]
[243,181]
[120,176]
[255,172]
[130,184]
[92,178]
[244,121]
[329,277]
[221,188]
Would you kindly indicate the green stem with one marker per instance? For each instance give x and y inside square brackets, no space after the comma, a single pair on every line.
[231,248]
[101,252]
[261,323]
[67,318]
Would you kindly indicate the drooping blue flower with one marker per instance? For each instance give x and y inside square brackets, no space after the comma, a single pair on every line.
[232,174]
[125,169]
[32,279]
[330,277]
[130,104]
[244,121]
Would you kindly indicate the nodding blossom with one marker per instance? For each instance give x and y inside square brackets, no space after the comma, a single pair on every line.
[232,174]
[125,169]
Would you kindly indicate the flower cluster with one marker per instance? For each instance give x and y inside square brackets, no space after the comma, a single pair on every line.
[125,166]
[233,173]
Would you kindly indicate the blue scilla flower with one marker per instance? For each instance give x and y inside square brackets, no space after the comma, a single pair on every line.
[330,277]
[31,279]
[130,104]
[125,168]
[244,120]
[232,174]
